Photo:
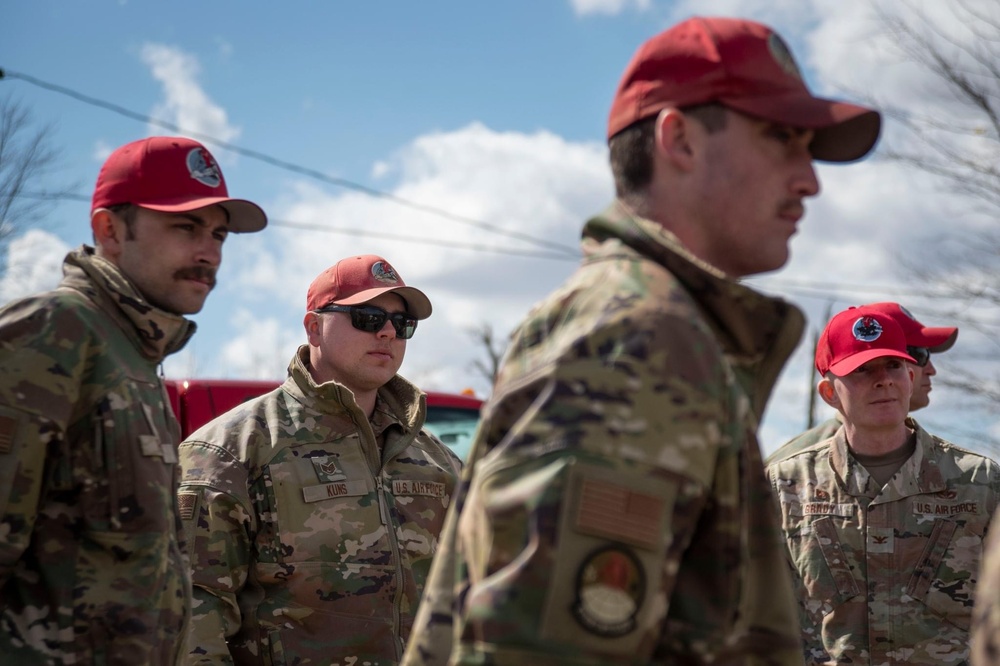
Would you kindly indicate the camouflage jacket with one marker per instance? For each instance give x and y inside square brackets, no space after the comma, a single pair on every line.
[803,441]
[985,641]
[887,573]
[616,510]
[91,569]
[311,528]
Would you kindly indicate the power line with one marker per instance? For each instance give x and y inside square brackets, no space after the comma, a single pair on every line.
[361,233]
[290,166]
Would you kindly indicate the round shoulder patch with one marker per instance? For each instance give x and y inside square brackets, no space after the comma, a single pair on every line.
[610,587]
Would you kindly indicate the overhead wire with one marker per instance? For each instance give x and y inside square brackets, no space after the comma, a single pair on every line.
[291,166]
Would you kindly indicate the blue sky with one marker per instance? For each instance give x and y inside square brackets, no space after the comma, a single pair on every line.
[491,111]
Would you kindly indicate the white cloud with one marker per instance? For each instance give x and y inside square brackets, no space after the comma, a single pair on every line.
[608,7]
[34,261]
[186,105]
[537,184]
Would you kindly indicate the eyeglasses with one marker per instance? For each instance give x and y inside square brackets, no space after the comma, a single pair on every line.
[920,354]
[371,319]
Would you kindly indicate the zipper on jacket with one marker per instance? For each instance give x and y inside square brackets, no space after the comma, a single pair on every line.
[397,559]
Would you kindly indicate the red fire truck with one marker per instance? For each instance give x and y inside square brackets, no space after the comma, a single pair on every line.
[451,416]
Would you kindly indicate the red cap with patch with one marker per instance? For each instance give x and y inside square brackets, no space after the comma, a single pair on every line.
[357,280]
[856,336]
[747,67]
[936,339]
[173,175]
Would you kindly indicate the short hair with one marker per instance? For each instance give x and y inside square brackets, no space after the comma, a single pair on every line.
[631,150]
[127,212]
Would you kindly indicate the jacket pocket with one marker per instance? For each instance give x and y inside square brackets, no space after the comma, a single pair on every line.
[943,580]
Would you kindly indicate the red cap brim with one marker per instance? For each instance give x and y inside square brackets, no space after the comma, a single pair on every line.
[851,363]
[244,216]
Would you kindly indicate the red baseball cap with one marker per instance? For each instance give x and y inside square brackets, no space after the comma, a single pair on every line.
[357,280]
[856,336]
[174,175]
[936,339]
[747,67]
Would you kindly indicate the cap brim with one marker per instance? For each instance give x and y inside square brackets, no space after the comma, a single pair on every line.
[843,132]
[244,216]
[851,363]
[936,339]
[417,303]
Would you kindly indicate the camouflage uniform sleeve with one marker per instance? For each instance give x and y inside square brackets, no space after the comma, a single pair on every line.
[42,361]
[216,513]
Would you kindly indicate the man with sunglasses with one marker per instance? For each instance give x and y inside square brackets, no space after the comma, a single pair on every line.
[884,523]
[921,342]
[313,512]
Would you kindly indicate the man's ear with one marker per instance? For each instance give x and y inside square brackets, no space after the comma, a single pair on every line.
[826,391]
[312,326]
[675,138]
[109,233]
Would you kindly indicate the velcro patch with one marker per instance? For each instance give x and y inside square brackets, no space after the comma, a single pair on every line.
[945,509]
[414,487]
[827,509]
[8,428]
[186,503]
[332,490]
[616,512]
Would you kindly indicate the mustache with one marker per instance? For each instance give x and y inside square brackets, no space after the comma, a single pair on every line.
[204,273]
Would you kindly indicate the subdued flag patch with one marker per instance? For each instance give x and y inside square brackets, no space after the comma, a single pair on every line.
[8,427]
[615,512]
[186,503]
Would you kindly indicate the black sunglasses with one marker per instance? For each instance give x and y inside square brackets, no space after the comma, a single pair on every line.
[920,354]
[371,319]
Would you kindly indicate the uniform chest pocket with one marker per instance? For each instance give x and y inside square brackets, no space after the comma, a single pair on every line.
[324,506]
[820,559]
[130,478]
[944,578]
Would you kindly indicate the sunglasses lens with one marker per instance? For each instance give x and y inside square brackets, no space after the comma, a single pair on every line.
[371,320]
[368,319]
[920,354]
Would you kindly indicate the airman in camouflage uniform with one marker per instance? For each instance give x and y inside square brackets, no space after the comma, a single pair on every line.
[884,522]
[91,563]
[920,340]
[614,509]
[313,512]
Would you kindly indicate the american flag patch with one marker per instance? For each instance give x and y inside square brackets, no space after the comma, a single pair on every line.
[185,505]
[8,426]
[616,512]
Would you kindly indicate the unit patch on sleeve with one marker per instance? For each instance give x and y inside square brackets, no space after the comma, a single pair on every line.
[610,587]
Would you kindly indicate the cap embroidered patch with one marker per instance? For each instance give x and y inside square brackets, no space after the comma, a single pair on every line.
[867,329]
[203,168]
[610,587]
[383,272]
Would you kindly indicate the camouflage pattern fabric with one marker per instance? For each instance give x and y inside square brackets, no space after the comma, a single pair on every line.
[311,528]
[986,611]
[888,574]
[803,441]
[615,510]
[91,567]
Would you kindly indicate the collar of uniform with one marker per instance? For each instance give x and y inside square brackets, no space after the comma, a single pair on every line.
[156,333]
[757,333]
[399,400]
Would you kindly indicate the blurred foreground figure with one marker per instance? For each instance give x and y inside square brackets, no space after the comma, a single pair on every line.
[615,509]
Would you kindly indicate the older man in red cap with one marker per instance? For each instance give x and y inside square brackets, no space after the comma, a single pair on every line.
[884,522]
[91,568]
[313,512]
[615,510]
[921,342]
